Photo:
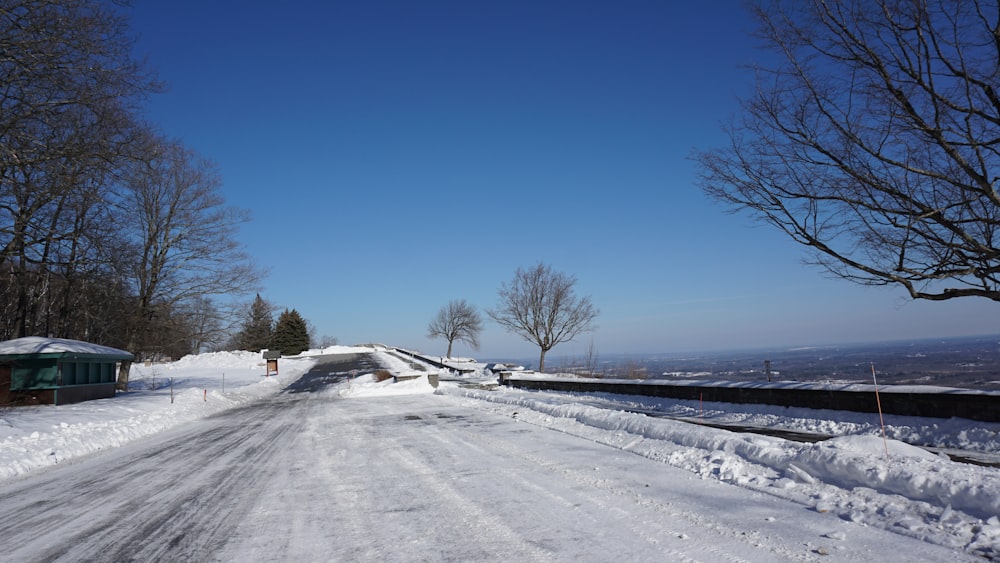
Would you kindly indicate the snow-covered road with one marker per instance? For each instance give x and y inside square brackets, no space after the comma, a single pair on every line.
[318,477]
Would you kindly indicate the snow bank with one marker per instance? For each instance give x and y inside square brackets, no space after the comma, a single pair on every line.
[366,386]
[908,490]
[336,350]
[413,382]
[161,396]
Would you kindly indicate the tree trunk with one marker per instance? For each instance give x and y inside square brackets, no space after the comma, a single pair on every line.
[449,349]
[123,370]
[541,362]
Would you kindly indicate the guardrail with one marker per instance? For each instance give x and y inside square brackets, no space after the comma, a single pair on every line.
[434,363]
[906,400]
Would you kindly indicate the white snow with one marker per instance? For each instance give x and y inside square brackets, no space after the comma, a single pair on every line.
[40,345]
[858,476]
[366,386]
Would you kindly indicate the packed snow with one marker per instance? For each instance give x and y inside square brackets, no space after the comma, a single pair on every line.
[859,476]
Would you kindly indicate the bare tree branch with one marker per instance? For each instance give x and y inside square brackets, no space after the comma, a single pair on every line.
[69,91]
[877,142]
[457,321]
[540,306]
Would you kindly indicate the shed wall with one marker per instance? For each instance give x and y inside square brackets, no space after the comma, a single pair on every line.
[54,381]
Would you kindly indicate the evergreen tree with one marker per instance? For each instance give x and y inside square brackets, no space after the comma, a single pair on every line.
[291,335]
[258,329]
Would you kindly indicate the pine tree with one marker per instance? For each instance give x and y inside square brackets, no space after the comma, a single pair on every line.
[258,329]
[291,335]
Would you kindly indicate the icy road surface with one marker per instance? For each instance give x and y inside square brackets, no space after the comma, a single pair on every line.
[310,476]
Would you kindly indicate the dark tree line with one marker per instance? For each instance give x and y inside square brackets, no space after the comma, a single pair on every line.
[109,231]
[258,331]
[291,334]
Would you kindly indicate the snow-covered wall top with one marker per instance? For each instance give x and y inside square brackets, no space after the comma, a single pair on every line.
[40,345]
[783,385]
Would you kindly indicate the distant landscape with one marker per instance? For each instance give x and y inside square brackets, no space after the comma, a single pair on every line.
[968,362]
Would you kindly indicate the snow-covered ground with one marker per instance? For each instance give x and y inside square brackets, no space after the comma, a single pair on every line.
[857,477]
[160,396]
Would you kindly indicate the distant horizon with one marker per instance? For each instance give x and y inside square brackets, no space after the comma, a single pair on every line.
[553,357]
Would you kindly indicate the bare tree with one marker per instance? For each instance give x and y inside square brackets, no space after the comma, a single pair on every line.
[107,232]
[183,237]
[591,360]
[204,324]
[875,141]
[540,306]
[67,109]
[458,320]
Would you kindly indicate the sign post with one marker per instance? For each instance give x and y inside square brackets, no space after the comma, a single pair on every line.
[271,356]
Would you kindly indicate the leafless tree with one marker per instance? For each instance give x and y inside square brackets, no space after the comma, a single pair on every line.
[107,232]
[591,360]
[875,141]
[458,320]
[539,305]
[203,324]
[183,241]
[69,94]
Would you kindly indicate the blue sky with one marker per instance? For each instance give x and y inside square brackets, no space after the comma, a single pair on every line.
[397,155]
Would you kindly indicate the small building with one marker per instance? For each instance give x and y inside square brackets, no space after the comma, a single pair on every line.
[57,371]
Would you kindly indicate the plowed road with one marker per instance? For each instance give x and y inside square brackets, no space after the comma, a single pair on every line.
[310,476]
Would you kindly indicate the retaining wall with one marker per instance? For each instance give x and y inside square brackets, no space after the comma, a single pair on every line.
[901,400]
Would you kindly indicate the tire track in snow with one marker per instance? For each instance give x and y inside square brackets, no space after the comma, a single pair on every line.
[500,535]
[482,444]
[654,529]
[138,507]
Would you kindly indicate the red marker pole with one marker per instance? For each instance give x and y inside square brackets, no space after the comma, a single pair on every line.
[881,421]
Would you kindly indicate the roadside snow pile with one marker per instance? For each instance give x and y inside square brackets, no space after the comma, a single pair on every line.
[160,396]
[334,350]
[218,360]
[909,490]
[412,382]
[366,386]
[398,365]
